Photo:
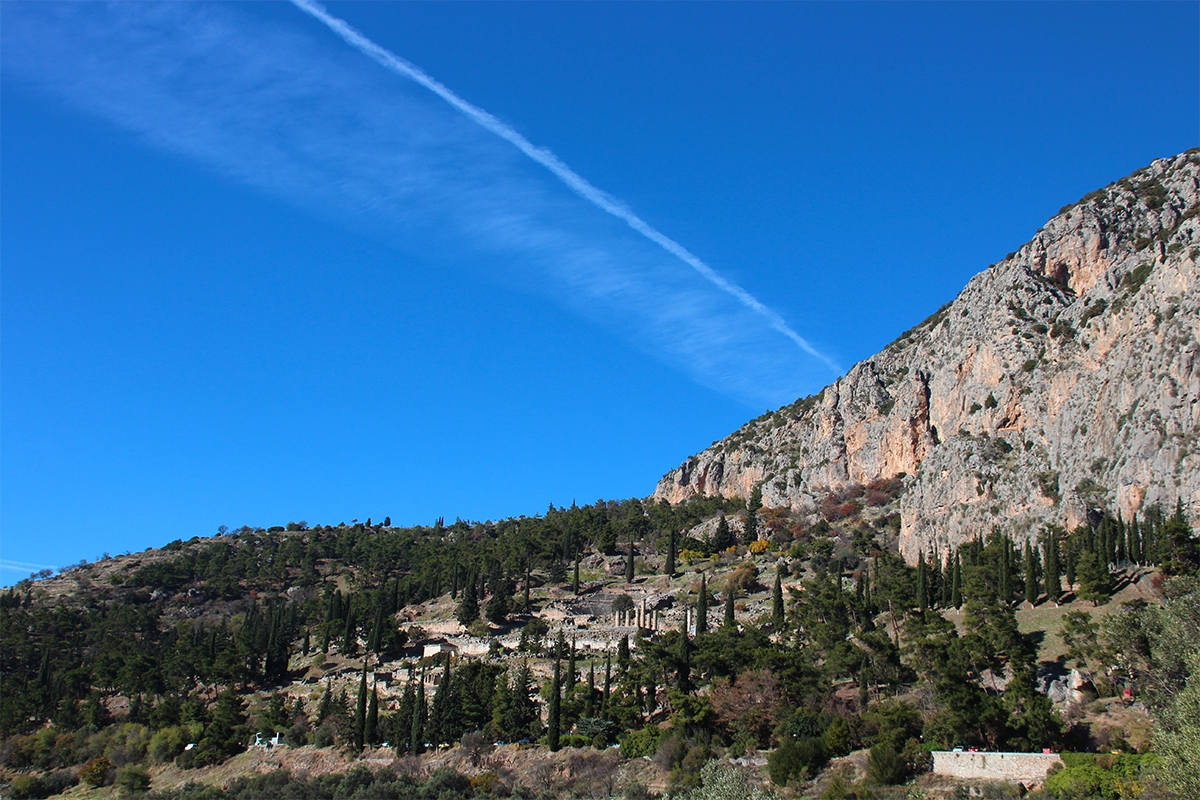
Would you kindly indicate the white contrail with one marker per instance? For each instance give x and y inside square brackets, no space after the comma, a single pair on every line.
[547,159]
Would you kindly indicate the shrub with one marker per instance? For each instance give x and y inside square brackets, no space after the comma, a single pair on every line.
[95,772]
[885,766]
[796,758]
[636,744]
[133,778]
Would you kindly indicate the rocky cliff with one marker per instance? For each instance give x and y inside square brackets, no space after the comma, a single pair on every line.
[1063,378]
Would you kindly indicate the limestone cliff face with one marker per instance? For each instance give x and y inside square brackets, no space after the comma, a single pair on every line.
[1065,377]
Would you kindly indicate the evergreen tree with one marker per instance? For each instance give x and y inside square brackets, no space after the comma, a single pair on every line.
[750,534]
[629,560]
[417,734]
[777,614]
[589,703]
[723,538]
[623,652]
[498,604]
[730,622]
[669,567]
[1050,568]
[575,577]
[554,707]
[360,713]
[1092,573]
[922,581]
[446,710]
[349,635]
[607,684]
[371,729]
[402,726]
[468,609]
[325,705]
[956,582]
[571,668]
[1031,578]
[702,607]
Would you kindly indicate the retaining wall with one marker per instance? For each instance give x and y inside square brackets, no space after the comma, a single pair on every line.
[1026,768]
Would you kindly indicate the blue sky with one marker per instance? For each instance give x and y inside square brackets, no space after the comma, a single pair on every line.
[249,275]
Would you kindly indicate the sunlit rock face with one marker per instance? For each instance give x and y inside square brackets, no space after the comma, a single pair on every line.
[1061,379]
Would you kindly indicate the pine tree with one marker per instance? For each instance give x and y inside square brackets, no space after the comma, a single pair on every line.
[669,567]
[468,609]
[702,607]
[777,617]
[723,539]
[325,705]
[750,533]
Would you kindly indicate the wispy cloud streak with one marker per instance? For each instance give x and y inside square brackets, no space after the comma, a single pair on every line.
[550,161]
[300,116]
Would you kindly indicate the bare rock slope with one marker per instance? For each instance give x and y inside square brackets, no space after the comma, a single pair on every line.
[1062,379]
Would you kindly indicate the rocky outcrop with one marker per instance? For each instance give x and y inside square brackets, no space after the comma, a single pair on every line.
[1061,379]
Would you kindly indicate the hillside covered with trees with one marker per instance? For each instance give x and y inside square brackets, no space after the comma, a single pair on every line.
[688,634]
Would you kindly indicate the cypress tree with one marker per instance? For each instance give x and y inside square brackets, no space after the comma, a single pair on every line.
[777,601]
[1031,581]
[956,582]
[571,668]
[575,577]
[404,716]
[629,560]
[702,607]
[1050,568]
[360,712]
[623,653]
[1135,541]
[922,599]
[305,641]
[730,622]
[371,729]
[349,635]
[554,708]
[589,703]
[607,683]
[418,720]
[669,567]
[1121,552]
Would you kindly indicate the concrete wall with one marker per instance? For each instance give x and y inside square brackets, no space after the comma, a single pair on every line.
[1026,768]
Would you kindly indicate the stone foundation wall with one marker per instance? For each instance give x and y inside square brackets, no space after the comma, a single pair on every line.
[1026,768]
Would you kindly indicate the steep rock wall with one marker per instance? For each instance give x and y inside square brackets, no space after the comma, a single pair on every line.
[1062,379]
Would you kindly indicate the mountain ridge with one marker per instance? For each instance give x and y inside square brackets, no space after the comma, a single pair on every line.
[1061,380]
